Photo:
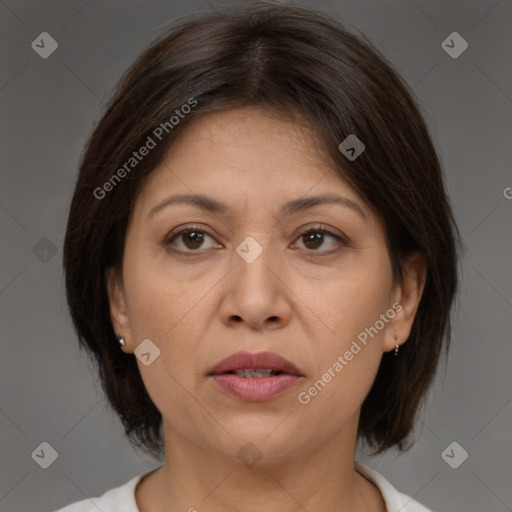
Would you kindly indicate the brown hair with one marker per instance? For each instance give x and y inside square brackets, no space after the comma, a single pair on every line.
[301,64]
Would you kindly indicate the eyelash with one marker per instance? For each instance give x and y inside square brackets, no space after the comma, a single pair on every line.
[311,253]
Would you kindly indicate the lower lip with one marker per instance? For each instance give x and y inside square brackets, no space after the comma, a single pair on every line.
[258,389]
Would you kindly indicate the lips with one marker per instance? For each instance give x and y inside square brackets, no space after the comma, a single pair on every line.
[260,361]
[255,377]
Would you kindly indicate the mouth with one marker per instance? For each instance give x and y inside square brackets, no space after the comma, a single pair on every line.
[255,374]
[255,377]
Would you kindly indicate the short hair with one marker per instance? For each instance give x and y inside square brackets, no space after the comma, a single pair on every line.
[304,66]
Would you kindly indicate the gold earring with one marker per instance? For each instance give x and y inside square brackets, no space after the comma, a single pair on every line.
[395,337]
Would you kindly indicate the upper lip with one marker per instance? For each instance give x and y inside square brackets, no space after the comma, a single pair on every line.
[254,361]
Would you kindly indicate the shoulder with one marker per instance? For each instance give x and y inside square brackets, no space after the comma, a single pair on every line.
[113,500]
[395,500]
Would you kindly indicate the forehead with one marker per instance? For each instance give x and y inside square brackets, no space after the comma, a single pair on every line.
[250,137]
[246,156]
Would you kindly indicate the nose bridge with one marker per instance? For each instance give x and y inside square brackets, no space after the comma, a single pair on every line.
[256,252]
[255,293]
[255,285]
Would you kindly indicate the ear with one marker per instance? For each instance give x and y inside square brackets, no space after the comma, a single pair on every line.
[118,311]
[408,294]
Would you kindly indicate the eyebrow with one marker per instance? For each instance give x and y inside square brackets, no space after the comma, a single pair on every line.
[208,204]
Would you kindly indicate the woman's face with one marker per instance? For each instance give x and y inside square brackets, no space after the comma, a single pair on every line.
[246,279]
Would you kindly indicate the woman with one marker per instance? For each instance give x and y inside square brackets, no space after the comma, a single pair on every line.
[261,257]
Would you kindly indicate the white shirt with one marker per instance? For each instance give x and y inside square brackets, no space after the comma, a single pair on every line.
[123,497]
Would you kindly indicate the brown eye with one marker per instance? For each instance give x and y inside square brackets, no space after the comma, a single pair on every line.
[188,241]
[192,239]
[315,238]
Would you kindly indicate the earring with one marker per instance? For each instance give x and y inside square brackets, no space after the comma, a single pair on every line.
[396,348]
[121,340]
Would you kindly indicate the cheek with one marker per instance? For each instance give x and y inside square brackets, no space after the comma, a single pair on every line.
[331,402]
[160,294]
[348,355]
[174,319]
[169,319]
[346,361]
[353,302]
[166,307]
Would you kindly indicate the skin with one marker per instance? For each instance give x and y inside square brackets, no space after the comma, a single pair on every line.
[198,310]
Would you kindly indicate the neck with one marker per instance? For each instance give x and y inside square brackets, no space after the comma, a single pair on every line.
[321,478]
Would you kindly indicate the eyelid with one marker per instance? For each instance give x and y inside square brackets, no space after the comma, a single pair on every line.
[186,227]
[320,227]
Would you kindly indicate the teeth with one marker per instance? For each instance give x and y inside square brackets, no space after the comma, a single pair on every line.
[252,374]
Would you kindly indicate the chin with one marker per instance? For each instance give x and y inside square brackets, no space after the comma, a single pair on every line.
[267,435]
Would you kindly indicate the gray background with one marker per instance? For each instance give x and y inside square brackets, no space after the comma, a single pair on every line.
[48,106]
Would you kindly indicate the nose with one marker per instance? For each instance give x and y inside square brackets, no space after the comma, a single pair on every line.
[256,291]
